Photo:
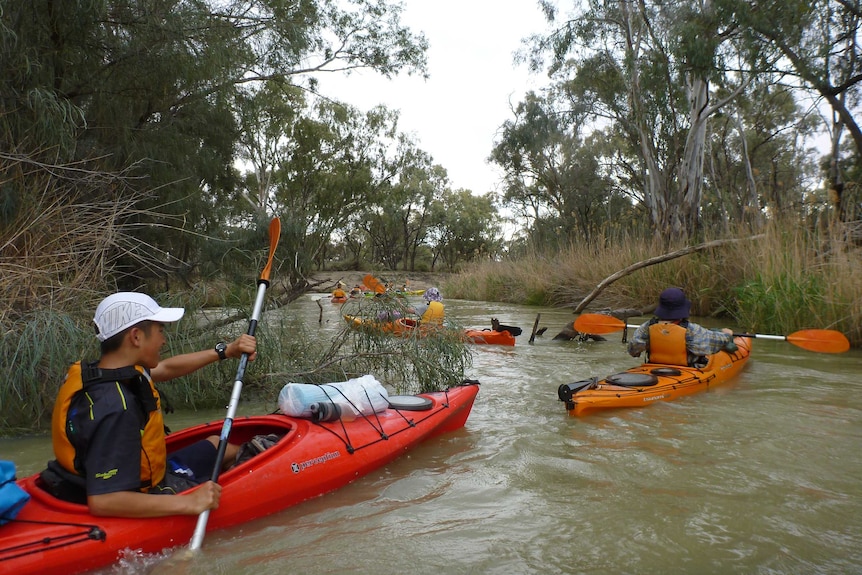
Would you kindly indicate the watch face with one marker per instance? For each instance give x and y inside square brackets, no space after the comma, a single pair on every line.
[220,348]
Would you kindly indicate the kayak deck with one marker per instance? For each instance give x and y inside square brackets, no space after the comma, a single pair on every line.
[650,382]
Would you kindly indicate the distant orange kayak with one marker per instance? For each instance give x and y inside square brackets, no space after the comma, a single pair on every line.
[399,327]
[650,382]
[489,336]
[406,326]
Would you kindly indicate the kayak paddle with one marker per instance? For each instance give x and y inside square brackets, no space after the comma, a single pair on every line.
[820,340]
[373,284]
[262,284]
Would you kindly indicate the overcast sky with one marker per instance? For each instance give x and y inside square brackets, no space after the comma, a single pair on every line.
[473,83]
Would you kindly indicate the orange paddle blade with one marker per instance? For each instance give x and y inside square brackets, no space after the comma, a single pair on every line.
[822,340]
[274,234]
[373,284]
[598,323]
[369,281]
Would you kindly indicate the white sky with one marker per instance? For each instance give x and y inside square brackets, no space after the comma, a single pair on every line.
[473,84]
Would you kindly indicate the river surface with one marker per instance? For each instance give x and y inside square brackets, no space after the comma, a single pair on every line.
[760,475]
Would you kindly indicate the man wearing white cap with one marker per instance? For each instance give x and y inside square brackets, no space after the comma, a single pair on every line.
[107,426]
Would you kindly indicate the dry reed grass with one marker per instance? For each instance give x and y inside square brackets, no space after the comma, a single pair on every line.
[59,246]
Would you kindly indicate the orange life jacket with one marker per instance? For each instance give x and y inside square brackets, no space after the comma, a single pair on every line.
[434,314]
[667,344]
[153,448]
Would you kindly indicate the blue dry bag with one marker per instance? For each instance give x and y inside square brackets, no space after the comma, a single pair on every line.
[12,497]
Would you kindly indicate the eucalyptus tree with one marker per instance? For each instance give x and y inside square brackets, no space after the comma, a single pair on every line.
[382,227]
[818,45]
[420,182]
[396,215]
[326,172]
[316,163]
[554,174]
[758,157]
[464,228]
[651,71]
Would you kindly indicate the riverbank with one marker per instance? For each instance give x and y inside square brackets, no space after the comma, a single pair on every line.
[779,281]
[413,280]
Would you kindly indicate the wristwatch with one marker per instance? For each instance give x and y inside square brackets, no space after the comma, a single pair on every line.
[221,350]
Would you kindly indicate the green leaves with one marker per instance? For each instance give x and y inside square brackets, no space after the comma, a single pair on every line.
[166,91]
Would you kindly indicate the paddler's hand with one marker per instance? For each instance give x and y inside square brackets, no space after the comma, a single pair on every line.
[205,497]
[243,344]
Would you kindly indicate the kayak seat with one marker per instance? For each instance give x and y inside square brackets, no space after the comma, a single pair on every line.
[665,371]
[626,379]
[257,445]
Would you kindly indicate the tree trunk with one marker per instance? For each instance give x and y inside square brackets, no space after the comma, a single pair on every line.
[752,211]
[687,220]
[655,190]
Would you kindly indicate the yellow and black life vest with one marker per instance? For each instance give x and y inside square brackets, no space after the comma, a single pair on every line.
[434,314]
[667,344]
[153,449]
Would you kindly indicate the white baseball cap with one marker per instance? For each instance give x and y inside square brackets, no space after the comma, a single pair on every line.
[124,309]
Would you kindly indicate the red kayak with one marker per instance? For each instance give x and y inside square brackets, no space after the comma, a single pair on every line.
[308,460]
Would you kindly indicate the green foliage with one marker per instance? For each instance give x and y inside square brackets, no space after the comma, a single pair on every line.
[35,353]
[784,302]
[158,90]
[464,228]
[423,360]
[555,179]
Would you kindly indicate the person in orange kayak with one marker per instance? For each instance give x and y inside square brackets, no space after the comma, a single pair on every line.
[107,427]
[670,338]
[339,292]
[432,311]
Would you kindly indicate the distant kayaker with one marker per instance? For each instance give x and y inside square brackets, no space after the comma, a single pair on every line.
[107,427]
[339,292]
[670,338]
[432,311]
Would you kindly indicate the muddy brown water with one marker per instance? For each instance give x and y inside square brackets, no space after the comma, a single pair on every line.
[761,475]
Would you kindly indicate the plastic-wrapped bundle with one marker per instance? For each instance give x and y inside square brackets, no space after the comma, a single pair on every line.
[363,395]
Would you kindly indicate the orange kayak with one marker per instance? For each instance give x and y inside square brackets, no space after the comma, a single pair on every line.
[650,382]
[309,459]
[401,326]
[489,336]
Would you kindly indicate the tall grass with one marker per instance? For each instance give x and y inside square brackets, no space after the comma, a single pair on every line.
[565,278]
[34,356]
[802,279]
